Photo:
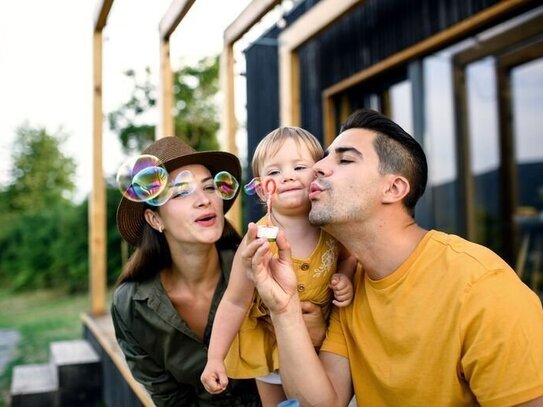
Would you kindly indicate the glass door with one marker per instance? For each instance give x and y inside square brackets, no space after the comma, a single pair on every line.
[520,80]
[498,86]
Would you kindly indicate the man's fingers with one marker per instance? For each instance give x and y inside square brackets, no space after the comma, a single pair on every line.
[283,247]
[261,249]
[251,231]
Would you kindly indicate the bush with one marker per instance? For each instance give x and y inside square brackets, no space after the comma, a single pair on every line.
[49,248]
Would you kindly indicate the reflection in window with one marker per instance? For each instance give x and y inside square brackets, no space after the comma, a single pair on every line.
[527,92]
[401,105]
[439,142]
[483,116]
[527,101]
[484,150]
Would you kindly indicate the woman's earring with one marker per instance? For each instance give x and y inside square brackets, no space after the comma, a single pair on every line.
[160,228]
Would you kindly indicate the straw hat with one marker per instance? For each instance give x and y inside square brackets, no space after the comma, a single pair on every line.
[173,153]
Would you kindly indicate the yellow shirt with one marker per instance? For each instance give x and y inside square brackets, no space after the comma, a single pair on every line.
[253,352]
[453,326]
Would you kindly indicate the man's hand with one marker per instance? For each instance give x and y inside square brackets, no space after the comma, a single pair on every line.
[273,276]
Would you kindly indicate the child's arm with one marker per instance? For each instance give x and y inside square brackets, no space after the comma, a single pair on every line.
[230,314]
[341,282]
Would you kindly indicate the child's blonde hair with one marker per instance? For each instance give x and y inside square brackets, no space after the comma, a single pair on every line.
[270,145]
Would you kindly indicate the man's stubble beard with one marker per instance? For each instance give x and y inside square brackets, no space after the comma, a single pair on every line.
[319,217]
[332,213]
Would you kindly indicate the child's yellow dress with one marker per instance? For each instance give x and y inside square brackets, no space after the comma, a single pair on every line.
[254,350]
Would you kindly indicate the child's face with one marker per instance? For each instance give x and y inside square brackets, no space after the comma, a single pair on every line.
[291,169]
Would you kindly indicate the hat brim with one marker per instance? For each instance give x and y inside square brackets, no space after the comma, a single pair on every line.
[130,220]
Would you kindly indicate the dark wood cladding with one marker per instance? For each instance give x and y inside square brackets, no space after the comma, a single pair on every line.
[374,31]
[262,73]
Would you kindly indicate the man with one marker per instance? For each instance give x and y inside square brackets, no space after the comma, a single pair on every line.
[436,320]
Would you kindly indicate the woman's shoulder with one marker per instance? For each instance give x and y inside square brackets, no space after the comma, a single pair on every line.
[123,295]
[124,289]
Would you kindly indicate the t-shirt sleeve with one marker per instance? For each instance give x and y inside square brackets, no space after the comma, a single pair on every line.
[335,339]
[502,340]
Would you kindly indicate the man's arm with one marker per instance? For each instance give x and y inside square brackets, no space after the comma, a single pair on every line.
[538,402]
[304,376]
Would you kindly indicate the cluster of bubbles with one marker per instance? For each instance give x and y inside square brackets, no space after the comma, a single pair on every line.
[144,179]
[257,184]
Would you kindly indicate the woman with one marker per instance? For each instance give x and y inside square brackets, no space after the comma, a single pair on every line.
[164,306]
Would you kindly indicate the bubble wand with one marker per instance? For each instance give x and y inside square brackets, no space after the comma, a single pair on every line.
[269,188]
[266,231]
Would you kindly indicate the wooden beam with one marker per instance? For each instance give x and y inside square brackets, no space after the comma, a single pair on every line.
[97,205]
[103,7]
[519,33]
[247,19]
[317,19]
[166,120]
[175,13]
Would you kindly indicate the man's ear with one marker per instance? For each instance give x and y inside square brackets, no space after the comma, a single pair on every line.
[397,188]
[153,219]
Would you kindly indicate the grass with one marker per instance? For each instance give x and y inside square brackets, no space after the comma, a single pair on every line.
[40,317]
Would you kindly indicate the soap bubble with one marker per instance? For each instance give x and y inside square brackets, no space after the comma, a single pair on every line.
[252,187]
[226,185]
[142,178]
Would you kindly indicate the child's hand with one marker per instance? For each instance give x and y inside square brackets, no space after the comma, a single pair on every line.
[314,322]
[214,377]
[342,287]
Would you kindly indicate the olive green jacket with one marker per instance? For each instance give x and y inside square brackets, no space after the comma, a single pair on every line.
[161,350]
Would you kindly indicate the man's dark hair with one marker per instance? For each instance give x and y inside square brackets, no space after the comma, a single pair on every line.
[398,152]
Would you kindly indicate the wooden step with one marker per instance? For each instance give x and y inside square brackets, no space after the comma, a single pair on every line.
[79,372]
[34,385]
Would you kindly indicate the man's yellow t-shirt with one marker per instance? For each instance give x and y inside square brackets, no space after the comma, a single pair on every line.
[453,326]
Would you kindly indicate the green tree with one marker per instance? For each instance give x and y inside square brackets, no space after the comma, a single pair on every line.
[41,224]
[195,110]
[41,173]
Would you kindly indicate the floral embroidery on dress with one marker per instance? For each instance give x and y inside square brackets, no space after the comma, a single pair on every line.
[328,259]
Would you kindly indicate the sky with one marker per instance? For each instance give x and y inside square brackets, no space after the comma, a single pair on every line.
[46,66]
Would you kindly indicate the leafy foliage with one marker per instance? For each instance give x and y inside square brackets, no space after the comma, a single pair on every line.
[41,173]
[49,248]
[44,238]
[195,111]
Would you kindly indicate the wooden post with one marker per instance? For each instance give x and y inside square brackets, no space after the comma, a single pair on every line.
[229,123]
[97,204]
[169,22]
[248,17]
[165,97]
